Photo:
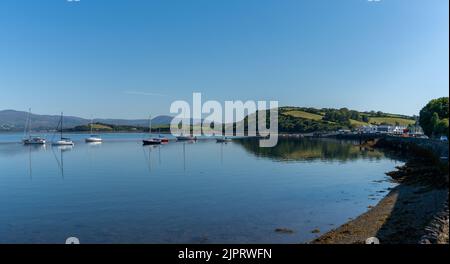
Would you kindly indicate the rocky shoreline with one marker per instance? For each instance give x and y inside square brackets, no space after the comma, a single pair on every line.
[414,212]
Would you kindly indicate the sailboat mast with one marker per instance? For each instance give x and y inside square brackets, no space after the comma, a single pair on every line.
[27,124]
[150,124]
[61,125]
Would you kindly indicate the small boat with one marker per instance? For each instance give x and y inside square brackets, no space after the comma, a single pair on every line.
[93,138]
[62,141]
[186,138]
[151,140]
[31,140]
[223,140]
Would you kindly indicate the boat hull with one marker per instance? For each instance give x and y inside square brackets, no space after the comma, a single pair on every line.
[34,141]
[63,143]
[186,138]
[93,140]
[151,142]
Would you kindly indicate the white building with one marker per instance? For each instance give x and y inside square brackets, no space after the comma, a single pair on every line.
[385,129]
[399,130]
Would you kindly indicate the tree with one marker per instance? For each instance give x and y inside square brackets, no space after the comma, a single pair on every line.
[433,117]
[442,127]
[365,118]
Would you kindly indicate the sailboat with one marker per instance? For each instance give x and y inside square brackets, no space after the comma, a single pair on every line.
[187,137]
[183,137]
[28,138]
[93,138]
[62,141]
[151,140]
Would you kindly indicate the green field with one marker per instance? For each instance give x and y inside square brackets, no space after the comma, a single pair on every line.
[100,127]
[303,114]
[357,123]
[391,121]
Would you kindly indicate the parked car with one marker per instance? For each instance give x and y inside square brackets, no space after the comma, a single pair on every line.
[444,138]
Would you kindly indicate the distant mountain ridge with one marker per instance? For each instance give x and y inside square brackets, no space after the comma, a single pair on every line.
[12,120]
[291,119]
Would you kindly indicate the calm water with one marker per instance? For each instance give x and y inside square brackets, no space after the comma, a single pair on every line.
[122,192]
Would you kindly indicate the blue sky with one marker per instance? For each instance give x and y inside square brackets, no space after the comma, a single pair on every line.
[129,58]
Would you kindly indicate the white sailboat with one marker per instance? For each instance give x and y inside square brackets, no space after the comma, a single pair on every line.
[93,138]
[62,140]
[28,138]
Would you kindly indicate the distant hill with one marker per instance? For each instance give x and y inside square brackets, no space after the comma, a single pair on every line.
[159,120]
[349,117]
[12,120]
[306,120]
[100,127]
[291,119]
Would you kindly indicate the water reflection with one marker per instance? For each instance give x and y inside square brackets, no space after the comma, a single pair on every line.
[147,150]
[31,149]
[13,149]
[94,144]
[305,149]
[60,159]
[107,195]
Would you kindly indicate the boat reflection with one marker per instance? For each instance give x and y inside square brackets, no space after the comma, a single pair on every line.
[94,144]
[60,160]
[33,148]
[147,150]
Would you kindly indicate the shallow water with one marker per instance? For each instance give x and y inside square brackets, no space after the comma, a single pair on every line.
[205,192]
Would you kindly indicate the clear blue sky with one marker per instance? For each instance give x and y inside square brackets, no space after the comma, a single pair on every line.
[126,58]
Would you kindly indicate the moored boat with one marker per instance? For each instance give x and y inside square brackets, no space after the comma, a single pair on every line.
[186,138]
[33,141]
[151,140]
[93,138]
[28,138]
[62,140]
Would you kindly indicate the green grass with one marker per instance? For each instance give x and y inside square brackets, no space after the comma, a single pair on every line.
[100,127]
[358,123]
[304,115]
[391,121]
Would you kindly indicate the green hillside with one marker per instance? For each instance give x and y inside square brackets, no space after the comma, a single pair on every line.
[305,120]
[391,120]
[303,114]
[363,118]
